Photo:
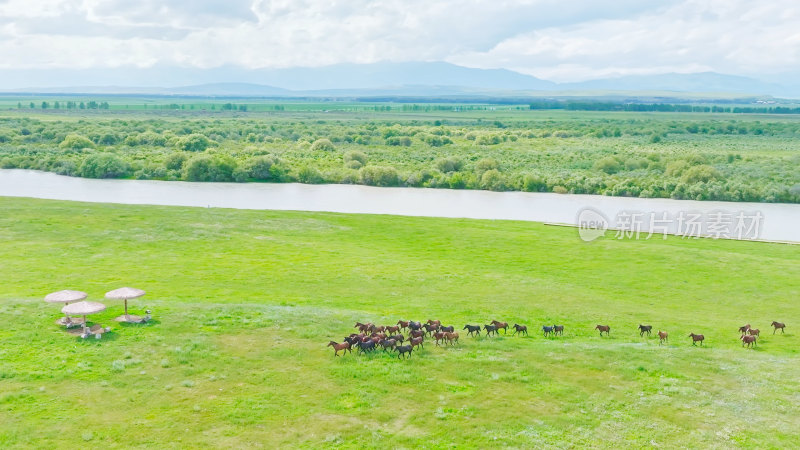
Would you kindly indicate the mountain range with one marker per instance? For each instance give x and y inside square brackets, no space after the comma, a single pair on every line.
[379,79]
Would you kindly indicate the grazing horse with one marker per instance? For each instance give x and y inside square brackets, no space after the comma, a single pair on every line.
[336,347]
[452,337]
[603,329]
[434,322]
[416,333]
[521,329]
[430,328]
[404,350]
[490,329]
[398,337]
[754,332]
[414,325]
[662,336]
[438,336]
[697,338]
[472,329]
[644,329]
[744,329]
[778,325]
[449,329]
[503,325]
[418,342]
[750,340]
[402,324]
[558,330]
[546,330]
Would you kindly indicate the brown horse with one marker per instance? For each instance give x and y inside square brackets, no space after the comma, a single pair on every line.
[521,329]
[362,327]
[452,337]
[336,347]
[754,332]
[430,328]
[662,336]
[749,340]
[603,329]
[416,333]
[377,329]
[434,322]
[398,337]
[697,338]
[418,342]
[645,329]
[438,336]
[778,325]
[392,329]
[388,344]
[744,329]
[498,325]
[403,324]
[558,330]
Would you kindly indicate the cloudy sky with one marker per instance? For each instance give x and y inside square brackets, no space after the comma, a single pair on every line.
[559,40]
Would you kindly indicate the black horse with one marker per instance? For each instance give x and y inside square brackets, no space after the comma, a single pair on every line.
[414,325]
[521,329]
[404,350]
[472,329]
[490,329]
[645,329]
[367,346]
[449,329]
[547,330]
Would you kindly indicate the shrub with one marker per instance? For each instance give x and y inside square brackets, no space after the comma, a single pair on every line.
[493,180]
[404,141]
[486,164]
[609,165]
[704,173]
[533,183]
[175,161]
[489,139]
[560,189]
[636,163]
[193,143]
[447,165]
[378,176]
[76,141]
[261,167]
[209,168]
[309,175]
[355,155]
[104,165]
[676,168]
[323,145]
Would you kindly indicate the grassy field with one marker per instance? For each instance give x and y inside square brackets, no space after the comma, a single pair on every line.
[245,302]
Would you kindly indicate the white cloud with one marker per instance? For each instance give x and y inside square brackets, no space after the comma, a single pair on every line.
[561,40]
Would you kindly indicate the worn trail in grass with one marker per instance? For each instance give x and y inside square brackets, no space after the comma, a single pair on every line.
[247,300]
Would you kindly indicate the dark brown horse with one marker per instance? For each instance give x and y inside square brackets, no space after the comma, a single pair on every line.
[749,340]
[697,338]
[603,329]
[336,347]
[744,329]
[403,324]
[521,329]
[754,332]
[472,329]
[778,325]
[430,328]
[416,333]
[558,330]
[499,325]
[388,344]
[438,336]
[398,337]
[662,336]
[418,342]
[645,329]
[392,329]
[362,327]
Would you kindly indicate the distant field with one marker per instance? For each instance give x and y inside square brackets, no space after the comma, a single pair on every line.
[246,301]
[701,156]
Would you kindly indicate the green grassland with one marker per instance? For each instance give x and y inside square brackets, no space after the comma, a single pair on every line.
[245,302]
[701,156]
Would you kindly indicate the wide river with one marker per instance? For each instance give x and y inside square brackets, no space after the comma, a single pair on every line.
[763,221]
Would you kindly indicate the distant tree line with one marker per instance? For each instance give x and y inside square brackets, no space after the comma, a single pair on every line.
[661,107]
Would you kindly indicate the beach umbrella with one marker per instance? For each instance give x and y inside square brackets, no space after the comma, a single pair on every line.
[83,309]
[124,293]
[66,296]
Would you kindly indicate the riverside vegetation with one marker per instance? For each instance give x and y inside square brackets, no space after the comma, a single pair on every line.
[733,157]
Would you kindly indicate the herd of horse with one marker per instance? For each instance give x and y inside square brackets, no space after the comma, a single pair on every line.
[371,337]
